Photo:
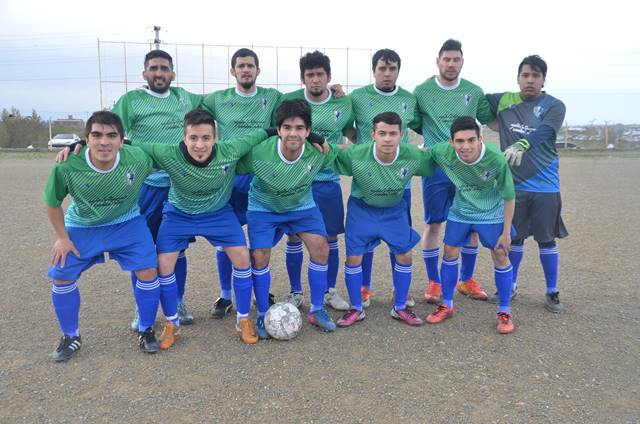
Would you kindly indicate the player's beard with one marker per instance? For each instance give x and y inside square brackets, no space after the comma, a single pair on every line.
[247,84]
[448,78]
[156,89]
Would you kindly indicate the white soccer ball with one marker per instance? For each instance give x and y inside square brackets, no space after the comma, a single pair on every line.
[283,321]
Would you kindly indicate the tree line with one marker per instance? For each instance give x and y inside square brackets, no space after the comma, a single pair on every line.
[18,131]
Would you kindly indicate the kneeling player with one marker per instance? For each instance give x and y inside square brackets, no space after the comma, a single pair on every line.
[377,210]
[104,181]
[483,203]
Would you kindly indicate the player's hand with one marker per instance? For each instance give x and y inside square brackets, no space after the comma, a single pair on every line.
[61,248]
[322,148]
[63,154]
[513,154]
[504,243]
[337,91]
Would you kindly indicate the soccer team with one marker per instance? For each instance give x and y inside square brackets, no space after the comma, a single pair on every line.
[207,165]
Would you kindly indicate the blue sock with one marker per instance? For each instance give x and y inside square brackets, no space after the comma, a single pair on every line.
[401,283]
[317,275]
[66,304]
[430,257]
[504,279]
[293,259]
[334,264]
[468,256]
[549,258]
[515,257]
[147,295]
[242,285]
[353,281]
[224,273]
[261,283]
[169,297]
[392,260]
[367,265]
[449,274]
[181,274]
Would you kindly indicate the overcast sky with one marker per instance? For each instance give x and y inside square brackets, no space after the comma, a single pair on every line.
[48,50]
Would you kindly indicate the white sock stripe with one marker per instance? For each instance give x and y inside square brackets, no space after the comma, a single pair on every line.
[66,289]
[352,270]
[172,317]
[503,270]
[167,279]
[294,249]
[403,268]
[469,251]
[333,245]
[241,274]
[433,254]
[450,261]
[219,248]
[182,255]
[549,250]
[517,248]
[259,271]
[318,267]
[148,286]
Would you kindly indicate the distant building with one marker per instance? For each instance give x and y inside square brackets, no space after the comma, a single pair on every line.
[70,122]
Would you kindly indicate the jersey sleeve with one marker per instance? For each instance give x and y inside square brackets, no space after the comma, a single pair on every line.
[56,190]
[493,100]
[121,108]
[155,152]
[555,116]
[505,181]
[330,157]
[235,148]
[209,104]
[343,162]
[427,164]
[196,99]
[245,164]
[485,113]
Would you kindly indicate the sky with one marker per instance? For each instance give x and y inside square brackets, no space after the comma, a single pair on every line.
[49,50]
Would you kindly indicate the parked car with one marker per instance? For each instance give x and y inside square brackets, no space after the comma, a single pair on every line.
[63,140]
[568,145]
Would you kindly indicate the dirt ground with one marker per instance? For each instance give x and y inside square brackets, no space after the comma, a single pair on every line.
[581,366]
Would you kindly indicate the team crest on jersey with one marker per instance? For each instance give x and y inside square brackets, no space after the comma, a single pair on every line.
[337,114]
[537,111]
[130,177]
[309,167]
[467,99]
[182,101]
[405,107]
[183,173]
[264,102]
[486,175]
[225,168]
[404,171]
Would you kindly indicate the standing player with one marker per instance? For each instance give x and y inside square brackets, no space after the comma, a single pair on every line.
[280,201]
[484,204]
[332,117]
[377,210]
[441,99]
[155,114]
[383,96]
[529,122]
[104,181]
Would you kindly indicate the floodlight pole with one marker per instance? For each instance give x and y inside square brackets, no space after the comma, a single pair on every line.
[156,40]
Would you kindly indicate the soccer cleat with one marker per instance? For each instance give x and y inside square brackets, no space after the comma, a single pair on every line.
[406,315]
[495,299]
[184,315]
[272,300]
[472,289]
[351,318]
[411,302]
[441,313]
[135,323]
[366,294]
[333,299]
[147,341]
[433,293]
[552,302]
[321,319]
[261,330]
[246,332]
[505,323]
[221,308]
[66,348]
[170,335]
[296,299]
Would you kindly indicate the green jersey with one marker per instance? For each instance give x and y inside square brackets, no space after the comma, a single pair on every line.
[369,101]
[99,197]
[237,113]
[200,189]
[380,184]
[281,185]
[440,105]
[151,117]
[330,118]
[481,187]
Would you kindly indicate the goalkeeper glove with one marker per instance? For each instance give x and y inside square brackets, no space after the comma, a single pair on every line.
[513,154]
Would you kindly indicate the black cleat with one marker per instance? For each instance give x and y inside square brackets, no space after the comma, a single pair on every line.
[67,347]
[148,342]
[552,303]
[221,308]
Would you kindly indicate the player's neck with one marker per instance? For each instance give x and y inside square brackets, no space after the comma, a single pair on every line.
[385,158]
[446,83]
[248,92]
[317,99]
[100,166]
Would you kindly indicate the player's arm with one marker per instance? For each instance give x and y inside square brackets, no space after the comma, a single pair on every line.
[504,241]
[208,104]
[343,163]
[54,193]
[485,113]
[121,108]
[504,184]
[427,161]
[237,147]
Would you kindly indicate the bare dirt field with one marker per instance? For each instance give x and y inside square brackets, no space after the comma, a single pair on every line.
[581,366]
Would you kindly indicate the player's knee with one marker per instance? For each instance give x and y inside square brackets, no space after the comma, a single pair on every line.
[259,258]
[61,282]
[473,240]
[354,260]
[146,274]
[546,244]
[404,258]
[451,252]
[500,258]
[292,238]
[240,258]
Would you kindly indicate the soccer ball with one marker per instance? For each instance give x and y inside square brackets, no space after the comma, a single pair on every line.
[283,321]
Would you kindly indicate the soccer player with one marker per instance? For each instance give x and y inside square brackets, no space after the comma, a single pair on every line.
[369,101]
[332,118]
[281,202]
[104,182]
[484,204]
[441,99]
[154,114]
[237,111]
[529,122]
[377,210]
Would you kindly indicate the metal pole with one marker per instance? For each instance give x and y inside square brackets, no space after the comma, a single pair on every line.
[277,69]
[99,74]
[126,84]
[228,73]
[176,66]
[347,82]
[203,92]
[157,41]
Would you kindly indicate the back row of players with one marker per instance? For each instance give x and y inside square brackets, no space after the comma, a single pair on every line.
[296,191]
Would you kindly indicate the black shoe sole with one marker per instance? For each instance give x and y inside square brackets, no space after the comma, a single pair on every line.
[219,314]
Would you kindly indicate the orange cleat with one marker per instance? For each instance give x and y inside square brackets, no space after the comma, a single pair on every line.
[433,293]
[441,313]
[366,296]
[472,289]
[505,323]
[170,335]
[246,332]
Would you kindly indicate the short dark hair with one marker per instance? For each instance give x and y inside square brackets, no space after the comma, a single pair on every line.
[451,45]
[387,55]
[297,108]
[244,53]
[465,123]
[537,64]
[154,54]
[314,60]
[104,117]
[198,117]
[389,118]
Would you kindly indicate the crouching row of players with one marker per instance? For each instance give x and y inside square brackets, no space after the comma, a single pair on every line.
[104,180]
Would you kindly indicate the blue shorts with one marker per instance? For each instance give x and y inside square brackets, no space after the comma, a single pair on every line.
[151,202]
[328,197]
[220,228]
[267,228]
[239,200]
[406,196]
[367,226]
[457,233]
[130,243]
[437,195]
